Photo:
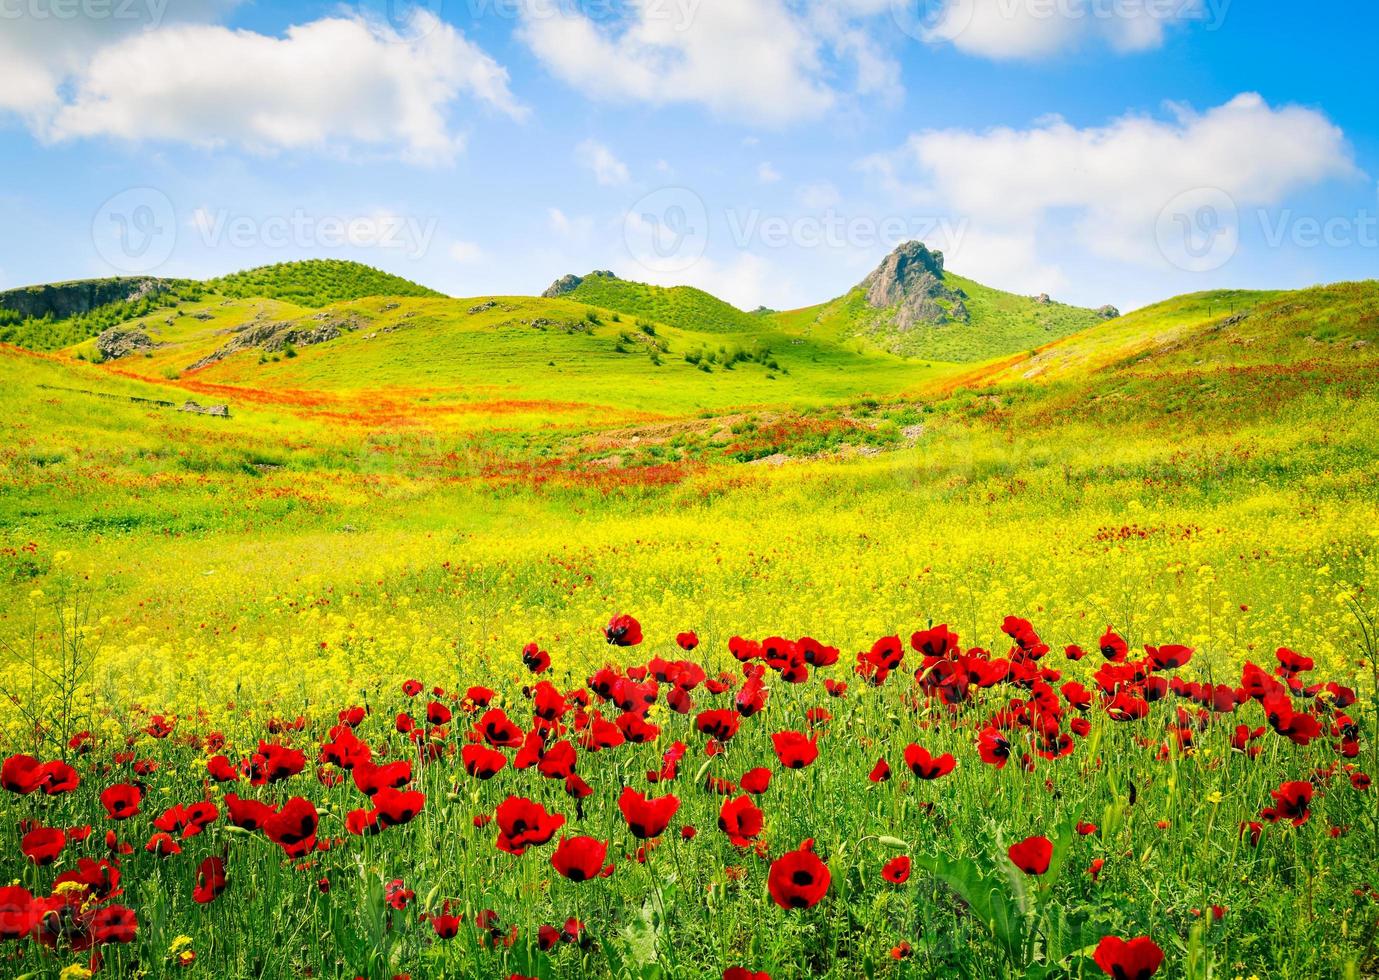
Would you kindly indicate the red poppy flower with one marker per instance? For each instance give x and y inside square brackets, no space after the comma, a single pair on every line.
[371,779]
[121,801]
[163,845]
[798,879]
[686,641]
[210,880]
[558,761]
[1086,829]
[21,774]
[57,777]
[897,870]
[646,816]
[719,724]
[221,770]
[248,814]
[938,642]
[396,807]
[293,827]
[42,845]
[623,631]
[1113,646]
[794,750]
[537,661]
[1137,959]
[498,729]
[926,766]
[756,781]
[880,772]
[741,820]
[742,973]
[580,858]
[1094,869]
[445,925]
[412,688]
[523,824]
[1032,855]
[114,924]
[1168,657]
[482,762]
[1292,801]
[18,913]
[993,747]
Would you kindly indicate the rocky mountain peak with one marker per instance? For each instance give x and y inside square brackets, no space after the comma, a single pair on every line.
[911,281]
[568,284]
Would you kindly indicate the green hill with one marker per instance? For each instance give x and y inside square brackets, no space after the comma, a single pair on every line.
[52,317]
[912,306]
[315,283]
[676,306]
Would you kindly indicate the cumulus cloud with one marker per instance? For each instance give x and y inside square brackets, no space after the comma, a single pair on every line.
[1106,187]
[1032,29]
[339,83]
[761,61]
[607,169]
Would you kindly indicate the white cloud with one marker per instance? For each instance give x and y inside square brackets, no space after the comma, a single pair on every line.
[465,253]
[767,174]
[747,281]
[753,60]
[819,195]
[608,170]
[577,229]
[1031,29]
[1106,187]
[40,49]
[339,83]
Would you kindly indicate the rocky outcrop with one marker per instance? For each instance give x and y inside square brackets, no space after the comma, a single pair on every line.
[568,284]
[66,299]
[219,411]
[118,342]
[910,281]
[1108,312]
[276,336]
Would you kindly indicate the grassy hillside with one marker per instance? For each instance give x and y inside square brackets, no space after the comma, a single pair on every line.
[315,283]
[999,324]
[677,306]
[309,284]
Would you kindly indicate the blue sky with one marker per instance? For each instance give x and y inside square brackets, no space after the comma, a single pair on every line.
[771,151]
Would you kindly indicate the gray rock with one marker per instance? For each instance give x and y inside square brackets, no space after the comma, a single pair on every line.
[1108,312]
[910,281]
[118,342]
[568,284]
[219,411]
[66,299]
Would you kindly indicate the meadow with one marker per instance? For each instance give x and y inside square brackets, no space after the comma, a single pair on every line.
[391,672]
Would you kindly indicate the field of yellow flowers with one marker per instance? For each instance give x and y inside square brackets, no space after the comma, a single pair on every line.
[1043,682]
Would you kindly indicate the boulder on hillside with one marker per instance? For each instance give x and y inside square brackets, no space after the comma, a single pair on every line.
[118,342]
[1108,312]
